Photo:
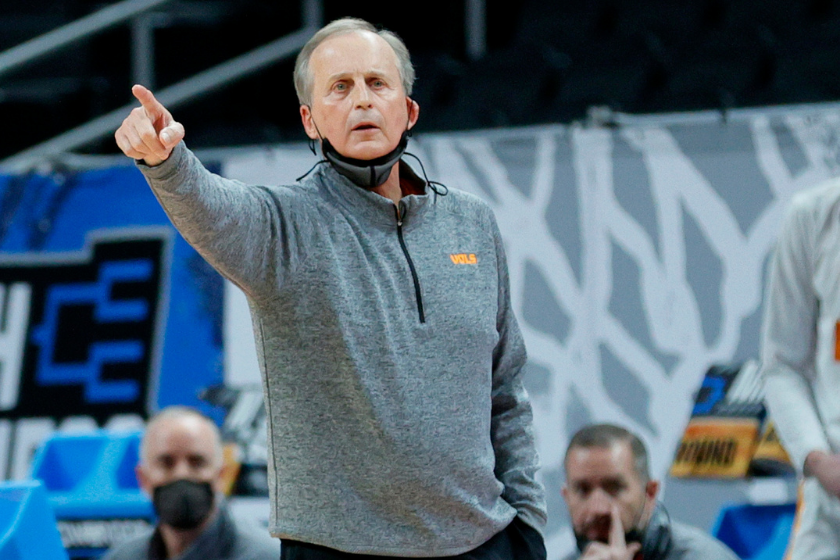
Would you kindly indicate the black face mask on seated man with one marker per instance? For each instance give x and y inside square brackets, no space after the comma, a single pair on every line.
[183,504]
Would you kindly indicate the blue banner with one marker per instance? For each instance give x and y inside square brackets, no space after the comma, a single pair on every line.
[104,308]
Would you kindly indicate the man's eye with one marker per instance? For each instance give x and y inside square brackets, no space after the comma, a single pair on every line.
[613,489]
[340,87]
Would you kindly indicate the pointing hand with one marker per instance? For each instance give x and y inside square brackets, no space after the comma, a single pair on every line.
[149,132]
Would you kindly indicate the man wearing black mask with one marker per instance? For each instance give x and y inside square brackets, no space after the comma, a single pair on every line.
[612,503]
[391,358]
[181,469]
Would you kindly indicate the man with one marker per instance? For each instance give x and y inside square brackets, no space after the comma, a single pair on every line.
[181,469]
[612,503]
[800,358]
[391,358]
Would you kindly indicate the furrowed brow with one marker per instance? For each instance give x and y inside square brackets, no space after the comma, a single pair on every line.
[339,76]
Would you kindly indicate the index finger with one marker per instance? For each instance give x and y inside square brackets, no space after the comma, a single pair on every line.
[616,529]
[148,101]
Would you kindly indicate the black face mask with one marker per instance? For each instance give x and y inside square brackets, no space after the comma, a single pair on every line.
[183,504]
[366,173]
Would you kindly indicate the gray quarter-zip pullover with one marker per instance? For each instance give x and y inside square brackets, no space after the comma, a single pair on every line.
[390,357]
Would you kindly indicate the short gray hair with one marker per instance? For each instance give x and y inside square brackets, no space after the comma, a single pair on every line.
[303,74]
[604,436]
[174,412]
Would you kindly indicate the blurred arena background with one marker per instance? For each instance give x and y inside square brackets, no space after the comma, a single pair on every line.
[638,155]
[480,63]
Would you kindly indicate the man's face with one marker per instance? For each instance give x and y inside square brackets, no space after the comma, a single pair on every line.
[358,101]
[598,478]
[179,448]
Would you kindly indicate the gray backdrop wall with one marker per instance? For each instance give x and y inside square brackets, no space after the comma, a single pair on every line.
[638,255]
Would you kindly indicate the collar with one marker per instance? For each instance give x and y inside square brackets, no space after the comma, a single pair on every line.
[215,541]
[371,206]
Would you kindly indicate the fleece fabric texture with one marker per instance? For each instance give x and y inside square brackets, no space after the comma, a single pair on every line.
[390,356]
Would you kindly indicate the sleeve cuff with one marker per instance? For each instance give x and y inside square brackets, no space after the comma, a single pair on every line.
[166,168]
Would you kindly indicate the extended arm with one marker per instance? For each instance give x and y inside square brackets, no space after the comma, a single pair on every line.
[243,231]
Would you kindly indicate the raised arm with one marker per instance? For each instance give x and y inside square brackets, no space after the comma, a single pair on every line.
[249,234]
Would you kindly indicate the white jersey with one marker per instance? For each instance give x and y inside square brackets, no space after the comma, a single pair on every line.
[800,349]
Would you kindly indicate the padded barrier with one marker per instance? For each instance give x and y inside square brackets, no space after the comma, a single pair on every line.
[28,528]
[756,532]
[91,485]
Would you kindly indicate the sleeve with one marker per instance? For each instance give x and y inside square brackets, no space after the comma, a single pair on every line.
[243,231]
[788,338]
[512,430]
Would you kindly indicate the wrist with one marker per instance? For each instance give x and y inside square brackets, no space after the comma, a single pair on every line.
[151,161]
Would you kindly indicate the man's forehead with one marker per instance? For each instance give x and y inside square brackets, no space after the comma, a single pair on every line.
[613,460]
[174,435]
[354,51]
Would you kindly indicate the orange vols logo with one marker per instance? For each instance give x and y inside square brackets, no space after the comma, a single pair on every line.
[463,258]
[837,341]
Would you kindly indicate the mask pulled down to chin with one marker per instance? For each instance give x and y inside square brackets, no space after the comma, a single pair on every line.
[183,504]
[367,174]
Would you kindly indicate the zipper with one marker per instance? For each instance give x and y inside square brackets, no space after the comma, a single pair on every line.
[410,263]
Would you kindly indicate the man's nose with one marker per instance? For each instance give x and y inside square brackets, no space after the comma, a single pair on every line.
[182,470]
[600,503]
[362,96]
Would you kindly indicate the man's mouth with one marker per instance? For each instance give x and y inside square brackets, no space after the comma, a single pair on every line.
[365,126]
[597,531]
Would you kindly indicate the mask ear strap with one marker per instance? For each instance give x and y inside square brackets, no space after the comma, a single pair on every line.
[312,148]
[311,169]
[317,130]
[439,188]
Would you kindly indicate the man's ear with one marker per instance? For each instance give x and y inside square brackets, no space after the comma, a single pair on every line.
[565,492]
[651,493]
[413,112]
[652,489]
[143,480]
[226,477]
[308,123]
